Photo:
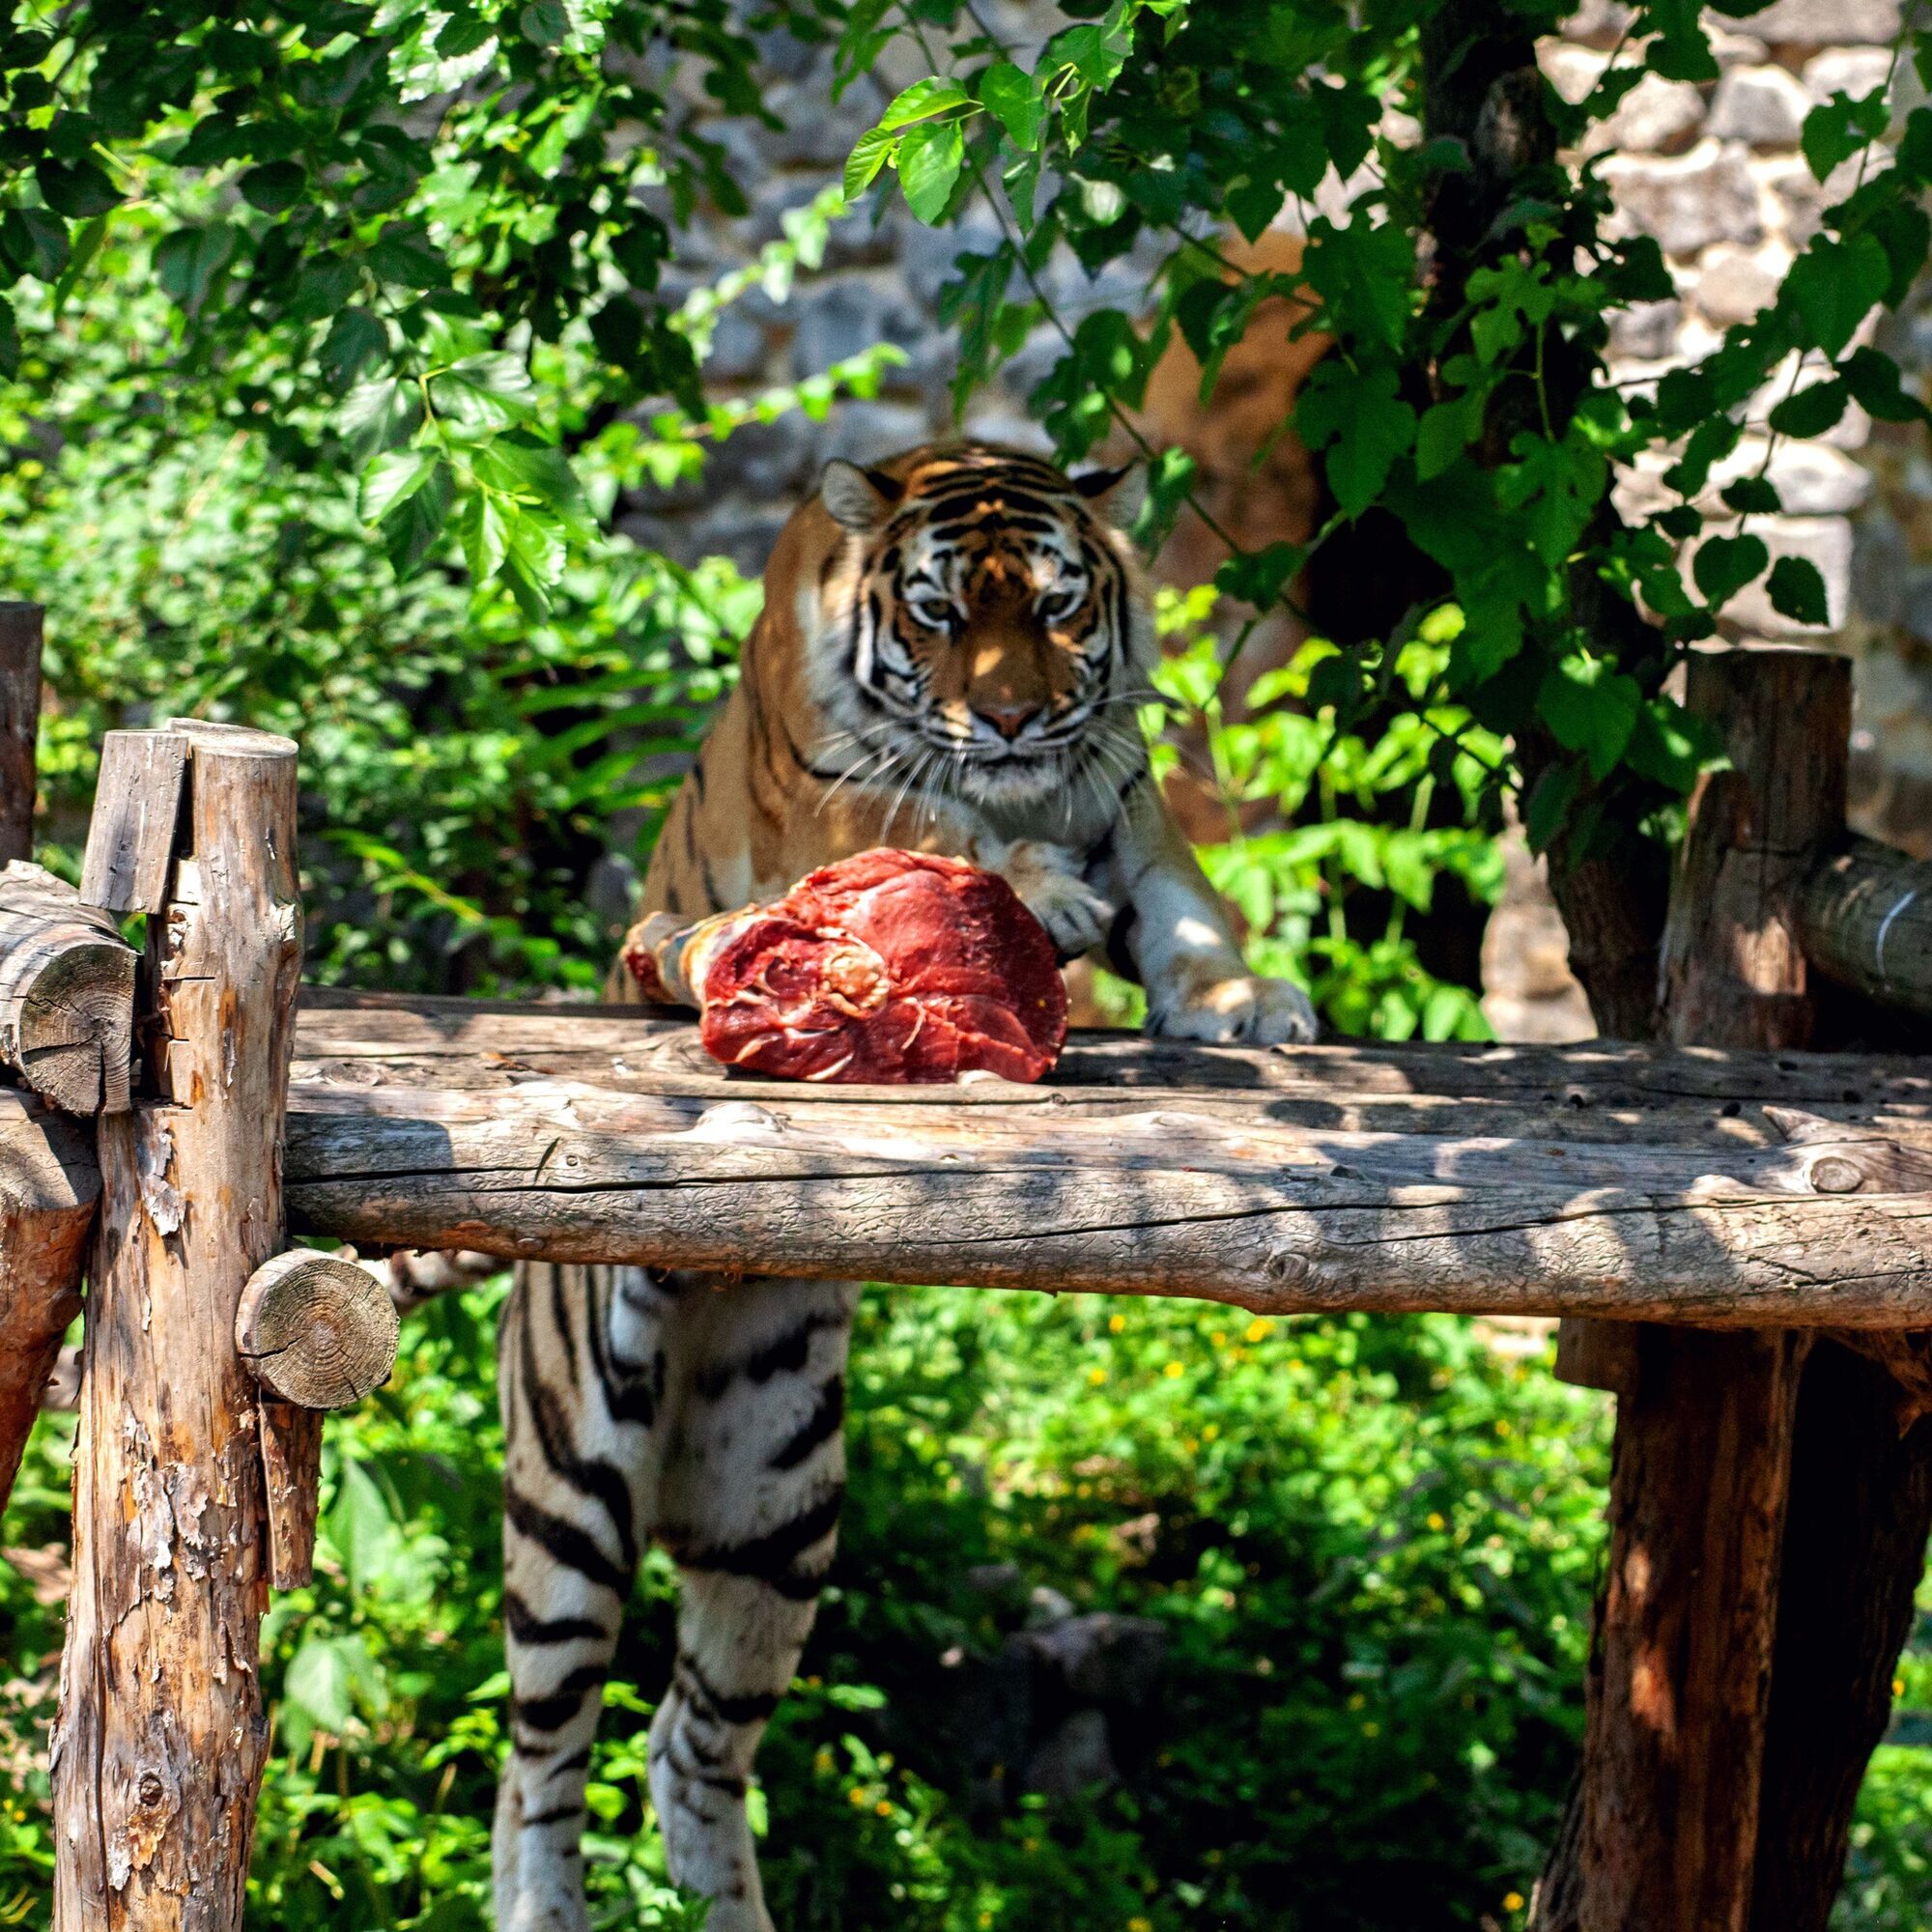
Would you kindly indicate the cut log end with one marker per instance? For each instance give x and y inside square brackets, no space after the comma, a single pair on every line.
[316,1332]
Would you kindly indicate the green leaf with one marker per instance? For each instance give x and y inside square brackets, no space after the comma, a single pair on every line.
[10,341]
[1810,411]
[1752,496]
[1671,745]
[1558,485]
[930,158]
[188,262]
[353,337]
[404,253]
[391,478]
[1013,98]
[1724,565]
[1874,380]
[873,150]
[1828,137]
[485,530]
[1548,804]
[379,412]
[36,241]
[1797,591]
[273,187]
[1591,707]
[1365,421]
[1446,430]
[414,526]
[484,393]
[1834,286]
[1257,577]
[76,189]
[923,99]
[544,23]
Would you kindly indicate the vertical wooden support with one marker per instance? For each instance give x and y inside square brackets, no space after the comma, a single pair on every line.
[1680,1676]
[20,632]
[159,1746]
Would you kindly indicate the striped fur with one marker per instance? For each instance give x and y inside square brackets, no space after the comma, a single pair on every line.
[952,647]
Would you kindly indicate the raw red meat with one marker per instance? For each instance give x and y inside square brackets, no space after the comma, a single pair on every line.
[892,967]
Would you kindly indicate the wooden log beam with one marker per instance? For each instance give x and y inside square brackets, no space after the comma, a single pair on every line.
[1865,921]
[1162,1199]
[159,1743]
[49,1182]
[67,993]
[20,632]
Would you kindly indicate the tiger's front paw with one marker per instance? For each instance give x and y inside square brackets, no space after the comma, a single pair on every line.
[1049,884]
[1243,1009]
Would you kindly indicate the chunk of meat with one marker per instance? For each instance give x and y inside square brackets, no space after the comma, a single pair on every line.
[890,967]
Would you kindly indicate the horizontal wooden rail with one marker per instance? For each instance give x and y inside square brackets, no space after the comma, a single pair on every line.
[1866,921]
[1642,1182]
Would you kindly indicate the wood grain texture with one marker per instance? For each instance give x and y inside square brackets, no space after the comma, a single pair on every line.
[21,628]
[1198,1191]
[316,1331]
[1865,919]
[162,1735]
[131,838]
[1734,965]
[49,1182]
[67,993]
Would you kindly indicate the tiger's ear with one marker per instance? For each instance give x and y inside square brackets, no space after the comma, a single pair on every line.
[862,500]
[1116,496]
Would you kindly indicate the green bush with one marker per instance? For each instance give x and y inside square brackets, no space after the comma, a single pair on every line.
[1371,1543]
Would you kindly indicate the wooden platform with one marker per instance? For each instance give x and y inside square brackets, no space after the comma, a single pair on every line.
[1719,1188]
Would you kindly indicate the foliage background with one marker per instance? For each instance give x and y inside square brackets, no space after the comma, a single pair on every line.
[1372,1544]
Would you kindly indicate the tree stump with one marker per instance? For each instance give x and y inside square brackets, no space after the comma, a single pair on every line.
[159,1746]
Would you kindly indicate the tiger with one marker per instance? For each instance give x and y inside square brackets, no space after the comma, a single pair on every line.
[953,652]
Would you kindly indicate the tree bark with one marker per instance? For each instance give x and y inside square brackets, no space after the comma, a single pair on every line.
[67,993]
[1680,1678]
[49,1182]
[162,1736]
[1865,921]
[1854,1539]
[20,633]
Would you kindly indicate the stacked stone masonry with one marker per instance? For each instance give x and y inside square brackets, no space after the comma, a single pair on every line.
[1713,172]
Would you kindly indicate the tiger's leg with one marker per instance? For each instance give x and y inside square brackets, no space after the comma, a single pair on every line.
[753,1476]
[581,1375]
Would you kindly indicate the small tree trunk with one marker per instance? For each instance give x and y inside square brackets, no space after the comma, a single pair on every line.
[20,628]
[159,1746]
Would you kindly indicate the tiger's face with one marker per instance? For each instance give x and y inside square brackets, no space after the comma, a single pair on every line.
[982,630]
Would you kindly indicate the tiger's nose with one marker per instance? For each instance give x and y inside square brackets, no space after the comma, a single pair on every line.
[1008,719]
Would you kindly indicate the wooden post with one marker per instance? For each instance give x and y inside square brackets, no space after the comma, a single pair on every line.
[159,1745]
[318,1333]
[20,632]
[1677,1697]
[48,1185]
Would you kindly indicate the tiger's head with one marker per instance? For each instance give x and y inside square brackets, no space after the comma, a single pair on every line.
[980,626]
